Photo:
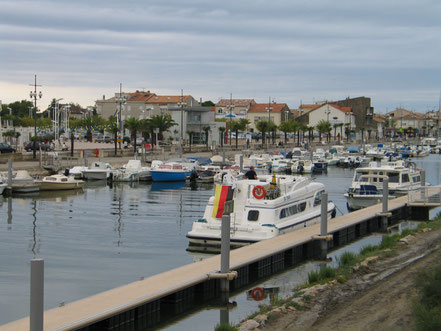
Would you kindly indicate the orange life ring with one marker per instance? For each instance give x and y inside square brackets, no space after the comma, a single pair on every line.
[258,294]
[259,191]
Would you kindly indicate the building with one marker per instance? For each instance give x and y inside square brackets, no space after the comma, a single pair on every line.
[237,107]
[362,110]
[275,112]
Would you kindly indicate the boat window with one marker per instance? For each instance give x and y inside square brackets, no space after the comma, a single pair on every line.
[393,177]
[416,179]
[302,206]
[51,179]
[318,198]
[64,179]
[358,174]
[405,178]
[253,215]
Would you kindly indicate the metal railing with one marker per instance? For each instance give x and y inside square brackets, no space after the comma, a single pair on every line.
[425,195]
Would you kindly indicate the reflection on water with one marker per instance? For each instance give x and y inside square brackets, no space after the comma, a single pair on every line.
[109,235]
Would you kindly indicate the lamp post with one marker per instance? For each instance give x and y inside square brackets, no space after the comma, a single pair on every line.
[268,109]
[33,95]
[230,107]
[121,100]
[181,105]
[56,119]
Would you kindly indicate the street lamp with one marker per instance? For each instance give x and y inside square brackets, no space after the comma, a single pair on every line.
[268,109]
[182,104]
[231,107]
[56,118]
[33,95]
[121,100]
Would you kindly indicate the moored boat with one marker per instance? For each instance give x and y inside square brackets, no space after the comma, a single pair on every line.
[367,183]
[263,209]
[99,171]
[170,172]
[60,182]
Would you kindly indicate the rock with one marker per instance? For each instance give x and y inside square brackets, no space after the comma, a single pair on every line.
[249,325]
[292,308]
[368,261]
[408,239]
[261,318]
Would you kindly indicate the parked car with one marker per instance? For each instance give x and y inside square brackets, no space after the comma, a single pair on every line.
[6,148]
[30,146]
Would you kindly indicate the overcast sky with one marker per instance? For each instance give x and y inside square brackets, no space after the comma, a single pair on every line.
[292,51]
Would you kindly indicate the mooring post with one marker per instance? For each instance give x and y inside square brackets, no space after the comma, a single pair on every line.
[224,312]
[241,163]
[37,295]
[324,226]
[9,172]
[223,155]
[225,252]
[85,159]
[423,185]
[385,207]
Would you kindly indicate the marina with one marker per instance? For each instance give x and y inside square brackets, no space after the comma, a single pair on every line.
[122,247]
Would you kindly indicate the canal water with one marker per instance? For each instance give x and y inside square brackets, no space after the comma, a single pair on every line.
[108,236]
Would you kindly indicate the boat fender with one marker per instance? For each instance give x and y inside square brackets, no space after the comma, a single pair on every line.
[259,191]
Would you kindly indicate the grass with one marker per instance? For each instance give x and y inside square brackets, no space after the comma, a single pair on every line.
[427,307]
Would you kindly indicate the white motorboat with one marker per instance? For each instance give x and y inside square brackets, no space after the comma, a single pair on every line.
[302,167]
[367,184]
[133,171]
[99,171]
[22,182]
[60,182]
[2,185]
[263,209]
[76,172]
[171,171]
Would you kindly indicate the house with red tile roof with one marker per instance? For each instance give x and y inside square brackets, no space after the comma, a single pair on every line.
[332,113]
[278,113]
[233,107]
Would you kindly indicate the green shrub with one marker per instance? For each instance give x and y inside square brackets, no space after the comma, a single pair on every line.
[313,277]
[426,319]
[388,242]
[366,250]
[347,259]
[326,272]
[407,232]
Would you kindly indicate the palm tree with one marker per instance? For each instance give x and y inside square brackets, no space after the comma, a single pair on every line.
[133,124]
[190,136]
[112,127]
[285,127]
[303,127]
[323,127]
[206,129]
[240,125]
[163,122]
[222,130]
[262,126]
[148,130]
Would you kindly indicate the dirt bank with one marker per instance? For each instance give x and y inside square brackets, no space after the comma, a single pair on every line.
[377,297]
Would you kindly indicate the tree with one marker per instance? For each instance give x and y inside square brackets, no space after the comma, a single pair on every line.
[190,136]
[18,108]
[112,127]
[208,103]
[222,131]
[162,122]
[133,124]
[240,125]
[323,127]
[347,131]
[11,134]
[303,127]
[262,126]
[206,129]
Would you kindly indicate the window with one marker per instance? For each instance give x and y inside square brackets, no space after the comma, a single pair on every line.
[253,215]
[318,198]
[393,177]
[416,179]
[292,210]
[405,178]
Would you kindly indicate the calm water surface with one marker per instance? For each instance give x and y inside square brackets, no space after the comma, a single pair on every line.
[108,236]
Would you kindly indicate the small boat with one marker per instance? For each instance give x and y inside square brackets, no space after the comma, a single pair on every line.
[170,172]
[320,165]
[206,176]
[22,182]
[133,171]
[263,209]
[367,183]
[60,182]
[302,167]
[99,171]
[2,185]
[76,172]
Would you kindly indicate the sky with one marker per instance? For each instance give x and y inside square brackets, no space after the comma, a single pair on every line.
[290,51]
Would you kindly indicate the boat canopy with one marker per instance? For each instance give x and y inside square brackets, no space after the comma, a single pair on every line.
[353,149]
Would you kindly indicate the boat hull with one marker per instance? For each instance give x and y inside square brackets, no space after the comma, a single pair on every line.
[169,176]
[95,175]
[60,186]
